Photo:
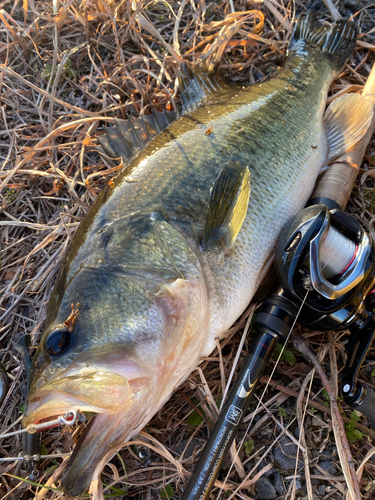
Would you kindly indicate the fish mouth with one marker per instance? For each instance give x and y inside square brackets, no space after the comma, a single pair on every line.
[52,405]
[113,398]
[94,392]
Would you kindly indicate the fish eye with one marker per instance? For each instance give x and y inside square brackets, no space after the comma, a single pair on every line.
[57,341]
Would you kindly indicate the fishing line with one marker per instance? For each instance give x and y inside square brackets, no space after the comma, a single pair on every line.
[279,424]
[36,457]
[264,391]
[263,456]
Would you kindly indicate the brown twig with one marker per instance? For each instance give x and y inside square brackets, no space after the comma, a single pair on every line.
[315,404]
[301,412]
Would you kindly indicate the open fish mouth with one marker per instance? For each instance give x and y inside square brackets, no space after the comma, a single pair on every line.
[95,392]
[105,395]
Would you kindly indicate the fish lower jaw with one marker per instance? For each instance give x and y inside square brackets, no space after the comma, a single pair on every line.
[50,411]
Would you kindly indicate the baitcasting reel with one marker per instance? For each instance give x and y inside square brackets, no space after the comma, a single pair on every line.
[328,254]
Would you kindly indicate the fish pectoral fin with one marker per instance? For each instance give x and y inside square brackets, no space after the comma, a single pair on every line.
[346,122]
[228,206]
[122,141]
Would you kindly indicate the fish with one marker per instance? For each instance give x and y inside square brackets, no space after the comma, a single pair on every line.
[172,252]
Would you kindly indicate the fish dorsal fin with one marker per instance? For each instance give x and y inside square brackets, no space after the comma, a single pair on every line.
[228,206]
[346,122]
[122,141]
[197,83]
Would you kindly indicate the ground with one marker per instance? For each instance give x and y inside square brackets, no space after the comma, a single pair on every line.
[64,66]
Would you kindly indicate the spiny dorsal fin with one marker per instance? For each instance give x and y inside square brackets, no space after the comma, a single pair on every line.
[228,206]
[346,121]
[197,83]
[122,141]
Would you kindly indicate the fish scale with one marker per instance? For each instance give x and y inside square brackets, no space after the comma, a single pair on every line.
[167,259]
[269,171]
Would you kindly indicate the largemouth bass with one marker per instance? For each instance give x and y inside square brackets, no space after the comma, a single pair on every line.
[167,259]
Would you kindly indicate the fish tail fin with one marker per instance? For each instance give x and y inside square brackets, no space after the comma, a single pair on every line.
[335,41]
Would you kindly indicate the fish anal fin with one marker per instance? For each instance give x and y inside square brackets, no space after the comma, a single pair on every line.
[346,122]
[228,207]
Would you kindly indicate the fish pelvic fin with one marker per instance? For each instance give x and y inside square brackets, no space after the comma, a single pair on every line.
[228,207]
[335,41]
[346,122]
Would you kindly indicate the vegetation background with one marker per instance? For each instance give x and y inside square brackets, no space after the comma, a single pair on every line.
[66,68]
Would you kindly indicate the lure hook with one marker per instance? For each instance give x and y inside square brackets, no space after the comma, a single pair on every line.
[68,419]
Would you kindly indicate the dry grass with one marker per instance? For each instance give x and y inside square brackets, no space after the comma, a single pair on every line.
[65,65]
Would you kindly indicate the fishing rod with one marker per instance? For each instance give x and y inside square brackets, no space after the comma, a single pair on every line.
[326,267]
